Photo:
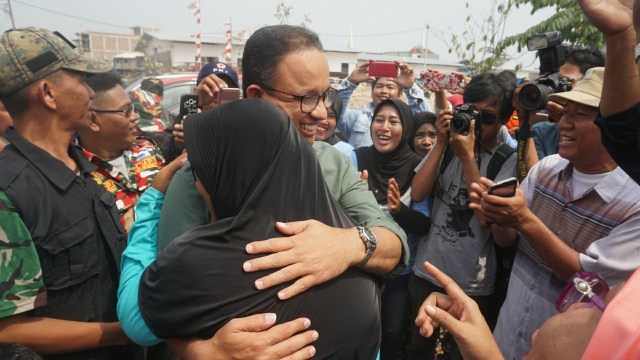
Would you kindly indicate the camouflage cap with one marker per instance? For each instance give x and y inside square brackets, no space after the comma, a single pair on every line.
[29,54]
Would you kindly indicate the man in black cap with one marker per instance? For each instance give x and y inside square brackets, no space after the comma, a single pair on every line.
[60,234]
[212,78]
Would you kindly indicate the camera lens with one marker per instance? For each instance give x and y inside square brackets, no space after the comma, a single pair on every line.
[534,96]
[460,122]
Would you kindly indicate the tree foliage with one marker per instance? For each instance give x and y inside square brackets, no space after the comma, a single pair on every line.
[151,67]
[283,13]
[568,19]
[479,46]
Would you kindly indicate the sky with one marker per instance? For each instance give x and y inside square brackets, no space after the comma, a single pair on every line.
[376,25]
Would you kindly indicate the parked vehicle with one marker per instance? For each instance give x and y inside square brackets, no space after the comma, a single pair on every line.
[175,84]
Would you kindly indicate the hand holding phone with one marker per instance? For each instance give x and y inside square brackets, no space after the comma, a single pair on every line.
[228,94]
[504,188]
[188,105]
[383,69]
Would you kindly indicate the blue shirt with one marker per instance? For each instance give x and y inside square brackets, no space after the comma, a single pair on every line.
[142,250]
[355,124]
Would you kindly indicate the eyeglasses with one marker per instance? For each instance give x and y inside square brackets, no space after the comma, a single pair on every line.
[583,287]
[308,103]
[126,112]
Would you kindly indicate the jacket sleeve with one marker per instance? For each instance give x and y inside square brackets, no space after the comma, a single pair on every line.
[142,250]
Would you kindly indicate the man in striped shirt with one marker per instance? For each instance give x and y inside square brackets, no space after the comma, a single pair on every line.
[576,211]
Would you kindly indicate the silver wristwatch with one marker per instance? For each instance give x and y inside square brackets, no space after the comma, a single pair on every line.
[369,240]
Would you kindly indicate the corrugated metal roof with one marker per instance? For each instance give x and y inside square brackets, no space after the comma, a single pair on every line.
[190,38]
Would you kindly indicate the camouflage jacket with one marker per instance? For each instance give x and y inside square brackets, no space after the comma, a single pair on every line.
[143,161]
[21,285]
[149,106]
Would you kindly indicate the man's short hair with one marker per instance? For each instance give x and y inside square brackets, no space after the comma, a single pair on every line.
[585,58]
[104,82]
[266,48]
[500,87]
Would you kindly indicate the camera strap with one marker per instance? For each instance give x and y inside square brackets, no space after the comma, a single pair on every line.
[523,135]
[498,159]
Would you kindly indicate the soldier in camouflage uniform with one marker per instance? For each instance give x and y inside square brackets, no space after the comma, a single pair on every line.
[148,103]
[60,235]
[126,165]
[21,284]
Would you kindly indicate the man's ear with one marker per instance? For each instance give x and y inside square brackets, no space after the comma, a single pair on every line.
[254,91]
[94,122]
[46,93]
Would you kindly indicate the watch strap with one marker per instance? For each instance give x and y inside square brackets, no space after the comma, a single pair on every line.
[369,240]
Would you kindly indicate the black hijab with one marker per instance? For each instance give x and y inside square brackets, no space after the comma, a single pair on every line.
[419,119]
[398,164]
[257,170]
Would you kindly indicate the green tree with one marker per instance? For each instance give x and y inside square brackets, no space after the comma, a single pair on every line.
[151,67]
[568,19]
[478,47]
[283,13]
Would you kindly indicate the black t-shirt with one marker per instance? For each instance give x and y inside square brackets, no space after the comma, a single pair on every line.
[621,138]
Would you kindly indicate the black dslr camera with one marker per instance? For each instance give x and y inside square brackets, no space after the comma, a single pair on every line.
[552,54]
[462,116]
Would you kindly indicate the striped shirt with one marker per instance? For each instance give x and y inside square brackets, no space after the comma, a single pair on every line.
[603,225]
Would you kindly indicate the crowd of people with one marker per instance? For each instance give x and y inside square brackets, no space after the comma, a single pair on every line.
[291,225]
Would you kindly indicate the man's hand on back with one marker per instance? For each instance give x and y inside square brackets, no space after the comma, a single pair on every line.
[252,337]
[313,253]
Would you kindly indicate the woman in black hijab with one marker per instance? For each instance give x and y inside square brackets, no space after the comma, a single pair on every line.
[391,164]
[390,156]
[256,170]
[424,133]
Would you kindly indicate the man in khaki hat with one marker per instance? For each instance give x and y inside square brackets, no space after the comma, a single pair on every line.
[60,234]
[575,211]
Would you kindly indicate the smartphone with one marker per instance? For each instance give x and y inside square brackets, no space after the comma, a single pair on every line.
[438,81]
[228,94]
[383,69]
[188,105]
[504,188]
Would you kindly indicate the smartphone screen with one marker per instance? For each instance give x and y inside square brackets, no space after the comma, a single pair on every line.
[188,105]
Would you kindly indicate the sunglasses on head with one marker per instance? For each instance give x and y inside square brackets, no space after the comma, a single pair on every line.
[584,287]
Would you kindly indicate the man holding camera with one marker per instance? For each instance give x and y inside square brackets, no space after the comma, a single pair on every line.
[577,211]
[573,68]
[460,242]
[355,124]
